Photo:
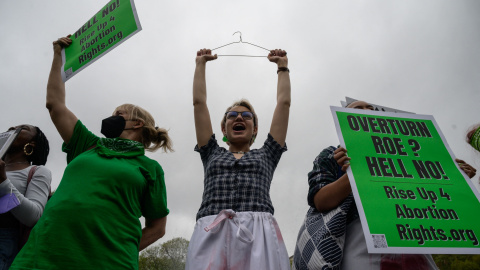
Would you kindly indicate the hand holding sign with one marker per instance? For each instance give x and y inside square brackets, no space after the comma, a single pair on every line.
[340,155]
[61,43]
[469,170]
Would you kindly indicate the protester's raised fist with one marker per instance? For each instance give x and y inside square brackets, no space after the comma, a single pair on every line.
[278,56]
[204,55]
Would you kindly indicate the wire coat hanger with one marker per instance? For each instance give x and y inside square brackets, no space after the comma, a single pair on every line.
[241,41]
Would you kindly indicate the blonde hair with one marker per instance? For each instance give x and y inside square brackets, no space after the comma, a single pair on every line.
[244,103]
[152,137]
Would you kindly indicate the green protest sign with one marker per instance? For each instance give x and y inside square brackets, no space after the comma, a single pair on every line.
[411,195]
[113,24]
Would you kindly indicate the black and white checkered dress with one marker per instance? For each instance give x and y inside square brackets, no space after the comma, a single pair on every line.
[238,184]
[245,235]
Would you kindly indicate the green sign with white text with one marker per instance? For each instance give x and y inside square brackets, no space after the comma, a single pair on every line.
[112,25]
[410,193]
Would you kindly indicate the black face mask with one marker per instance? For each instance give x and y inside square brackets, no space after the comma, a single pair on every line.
[113,126]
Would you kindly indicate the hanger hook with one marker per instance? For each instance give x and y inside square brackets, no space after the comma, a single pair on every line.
[240,35]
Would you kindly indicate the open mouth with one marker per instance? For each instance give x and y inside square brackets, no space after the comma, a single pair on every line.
[238,127]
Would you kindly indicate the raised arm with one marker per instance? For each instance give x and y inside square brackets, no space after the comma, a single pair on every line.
[203,124]
[279,126]
[63,119]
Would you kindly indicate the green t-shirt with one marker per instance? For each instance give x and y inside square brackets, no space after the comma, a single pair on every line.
[92,221]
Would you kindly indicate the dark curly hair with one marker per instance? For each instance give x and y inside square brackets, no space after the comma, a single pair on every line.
[42,148]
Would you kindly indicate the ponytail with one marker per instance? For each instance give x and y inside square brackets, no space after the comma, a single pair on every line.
[155,138]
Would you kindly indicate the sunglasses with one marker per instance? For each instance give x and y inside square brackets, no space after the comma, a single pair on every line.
[233,115]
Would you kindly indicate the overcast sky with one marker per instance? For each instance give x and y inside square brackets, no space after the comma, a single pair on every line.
[418,56]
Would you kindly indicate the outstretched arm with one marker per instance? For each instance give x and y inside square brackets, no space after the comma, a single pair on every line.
[331,195]
[63,119]
[203,125]
[279,126]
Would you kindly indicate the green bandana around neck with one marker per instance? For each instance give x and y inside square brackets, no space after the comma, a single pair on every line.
[119,147]
[475,139]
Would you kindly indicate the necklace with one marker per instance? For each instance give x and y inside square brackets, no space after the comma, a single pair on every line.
[239,152]
[20,162]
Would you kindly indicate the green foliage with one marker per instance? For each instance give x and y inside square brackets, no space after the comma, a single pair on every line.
[457,262]
[151,259]
[170,255]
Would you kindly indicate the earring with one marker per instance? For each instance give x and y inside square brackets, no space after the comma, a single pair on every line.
[225,139]
[25,149]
